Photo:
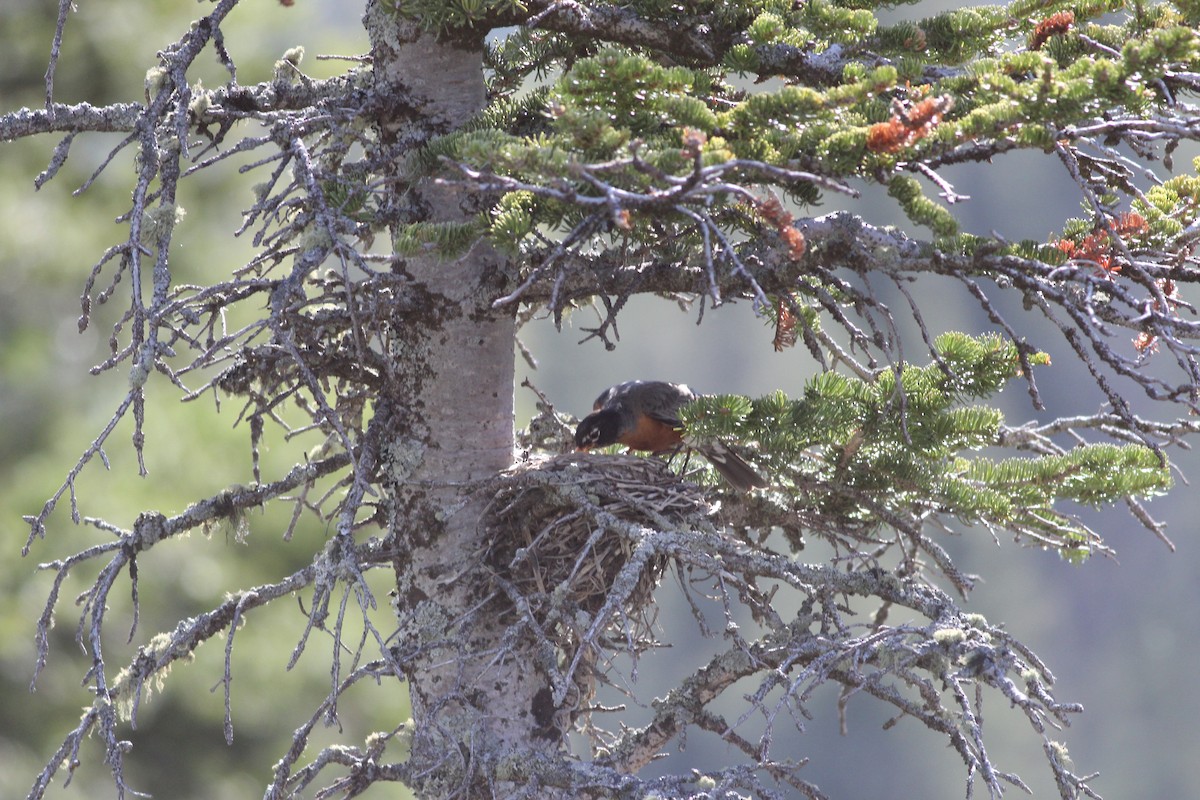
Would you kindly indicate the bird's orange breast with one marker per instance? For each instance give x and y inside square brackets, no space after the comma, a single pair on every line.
[652,435]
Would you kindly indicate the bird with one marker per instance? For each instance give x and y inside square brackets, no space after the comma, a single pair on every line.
[644,415]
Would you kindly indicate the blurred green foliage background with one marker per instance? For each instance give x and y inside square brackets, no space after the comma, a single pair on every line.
[1119,636]
[51,409]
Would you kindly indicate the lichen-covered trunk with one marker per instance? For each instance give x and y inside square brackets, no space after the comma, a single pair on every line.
[449,423]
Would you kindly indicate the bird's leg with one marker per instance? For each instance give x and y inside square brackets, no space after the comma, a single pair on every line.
[676,450]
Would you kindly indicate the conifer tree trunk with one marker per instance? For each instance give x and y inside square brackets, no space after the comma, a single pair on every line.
[449,423]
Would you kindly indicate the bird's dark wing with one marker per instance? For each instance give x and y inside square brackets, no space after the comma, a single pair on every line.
[661,401]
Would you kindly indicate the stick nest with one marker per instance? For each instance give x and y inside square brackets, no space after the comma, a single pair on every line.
[567,534]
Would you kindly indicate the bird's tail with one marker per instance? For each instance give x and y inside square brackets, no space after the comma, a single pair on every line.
[732,467]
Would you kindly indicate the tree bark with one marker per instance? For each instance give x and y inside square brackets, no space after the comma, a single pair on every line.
[448,423]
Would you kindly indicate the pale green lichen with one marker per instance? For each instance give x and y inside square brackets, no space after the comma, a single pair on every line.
[949,636]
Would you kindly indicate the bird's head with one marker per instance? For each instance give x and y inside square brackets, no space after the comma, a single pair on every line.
[597,430]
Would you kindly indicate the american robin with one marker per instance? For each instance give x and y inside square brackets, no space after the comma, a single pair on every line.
[644,415]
